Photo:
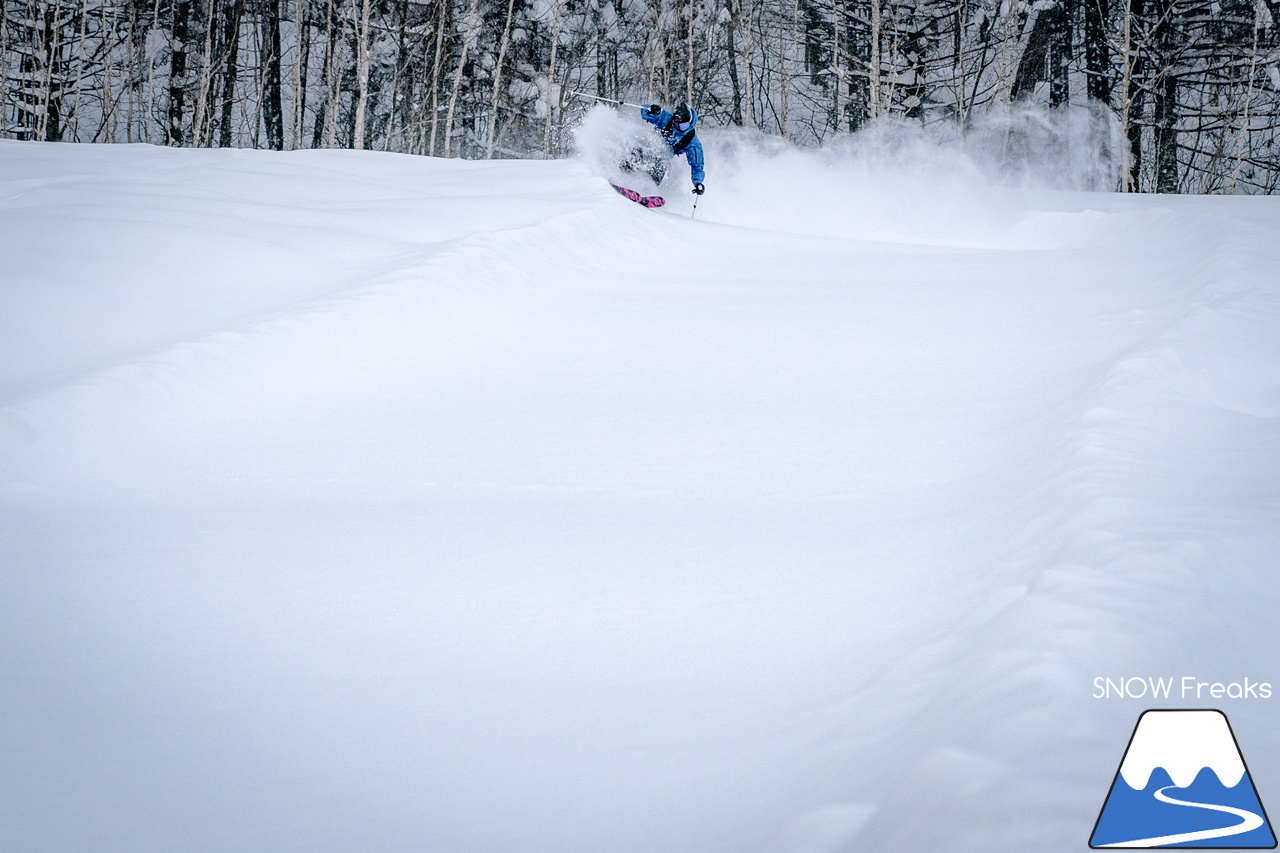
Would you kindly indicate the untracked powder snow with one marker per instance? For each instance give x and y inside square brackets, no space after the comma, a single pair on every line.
[353,501]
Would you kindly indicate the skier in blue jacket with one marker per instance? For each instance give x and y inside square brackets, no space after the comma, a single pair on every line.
[677,129]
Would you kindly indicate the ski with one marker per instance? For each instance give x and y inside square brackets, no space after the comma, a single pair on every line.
[646,200]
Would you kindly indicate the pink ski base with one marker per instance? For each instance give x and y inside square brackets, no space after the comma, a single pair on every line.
[646,200]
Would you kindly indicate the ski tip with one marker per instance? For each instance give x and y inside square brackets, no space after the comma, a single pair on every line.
[649,201]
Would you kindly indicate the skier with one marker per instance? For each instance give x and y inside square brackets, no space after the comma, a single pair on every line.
[677,129]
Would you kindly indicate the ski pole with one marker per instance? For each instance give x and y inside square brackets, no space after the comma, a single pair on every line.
[696,196]
[605,100]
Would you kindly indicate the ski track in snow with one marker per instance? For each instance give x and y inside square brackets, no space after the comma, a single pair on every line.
[392,504]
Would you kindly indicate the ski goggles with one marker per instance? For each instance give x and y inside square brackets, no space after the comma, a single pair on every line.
[683,125]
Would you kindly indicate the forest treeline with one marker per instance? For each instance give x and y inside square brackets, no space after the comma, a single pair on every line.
[1193,85]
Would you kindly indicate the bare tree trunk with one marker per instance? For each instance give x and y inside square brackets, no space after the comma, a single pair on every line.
[106,130]
[48,123]
[299,75]
[889,82]
[435,75]
[137,53]
[651,52]
[748,48]
[457,79]
[1060,41]
[497,82]
[334,82]
[689,57]
[837,66]
[200,123]
[151,74]
[1127,91]
[786,68]
[1165,114]
[875,106]
[229,74]
[1242,136]
[402,59]
[731,47]
[1134,69]
[176,133]
[4,68]
[255,133]
[326,71]
[1165,88]
[25,65]
[74,119]
[272,97]
[1010,52]
[551,80]
[1097,51]
[362,75]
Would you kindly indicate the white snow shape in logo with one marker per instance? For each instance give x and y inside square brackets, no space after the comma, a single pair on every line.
[1183,743]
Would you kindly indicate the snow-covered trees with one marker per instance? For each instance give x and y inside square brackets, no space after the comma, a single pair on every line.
[1193,84]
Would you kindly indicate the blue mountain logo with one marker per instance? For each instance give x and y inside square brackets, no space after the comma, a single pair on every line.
[1183,783]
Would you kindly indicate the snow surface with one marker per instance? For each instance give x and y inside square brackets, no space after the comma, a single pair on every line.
[355,501]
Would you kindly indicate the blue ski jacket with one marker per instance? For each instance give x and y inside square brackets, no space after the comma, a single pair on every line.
[679,141]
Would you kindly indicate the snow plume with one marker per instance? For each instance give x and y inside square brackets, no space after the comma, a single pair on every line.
[607,137]
[894,181]
[1077,148]
[888,185]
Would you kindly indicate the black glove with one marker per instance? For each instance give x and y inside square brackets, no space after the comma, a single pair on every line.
[699,189]
[653,109]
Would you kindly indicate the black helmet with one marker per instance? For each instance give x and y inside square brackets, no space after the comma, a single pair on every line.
[681,113]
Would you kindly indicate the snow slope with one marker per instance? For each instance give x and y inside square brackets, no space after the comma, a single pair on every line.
[353,501]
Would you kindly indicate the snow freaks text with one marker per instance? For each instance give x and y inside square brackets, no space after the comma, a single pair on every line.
[1186,687]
